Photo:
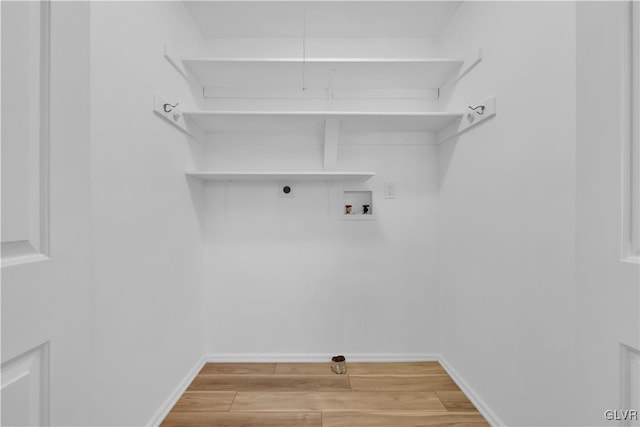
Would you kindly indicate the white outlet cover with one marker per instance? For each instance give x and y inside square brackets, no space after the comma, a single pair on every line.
[389,190]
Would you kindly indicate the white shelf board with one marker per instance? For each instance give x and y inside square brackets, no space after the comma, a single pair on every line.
[281,175]
[358,121]
[344,73]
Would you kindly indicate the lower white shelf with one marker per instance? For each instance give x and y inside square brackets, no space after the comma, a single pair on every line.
[282,175]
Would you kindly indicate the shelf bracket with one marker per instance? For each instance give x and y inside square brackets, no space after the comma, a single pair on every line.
[470,64]
[474,115]
[170,112]
[331,137]
[176,63]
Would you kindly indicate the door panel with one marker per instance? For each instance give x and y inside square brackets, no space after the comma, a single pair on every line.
[47,285]
[25,396]
[25,137]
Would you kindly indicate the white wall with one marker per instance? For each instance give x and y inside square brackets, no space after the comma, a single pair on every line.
[507,212]
[285,276]
[607,297]
[148,239]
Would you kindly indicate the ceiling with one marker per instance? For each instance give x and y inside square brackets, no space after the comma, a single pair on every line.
[324,19]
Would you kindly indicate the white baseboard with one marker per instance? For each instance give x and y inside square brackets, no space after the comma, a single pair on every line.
[173,398]
[480,404]
[317,357]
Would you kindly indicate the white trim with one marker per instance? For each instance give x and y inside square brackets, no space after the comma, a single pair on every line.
[25,259]
[480,404]
[175,395]
[318,357]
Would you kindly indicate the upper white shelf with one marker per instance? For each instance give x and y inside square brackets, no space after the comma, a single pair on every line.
[282,176]
[320,73]
[357,121]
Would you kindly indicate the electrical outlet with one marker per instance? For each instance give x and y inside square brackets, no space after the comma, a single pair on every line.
[389,190]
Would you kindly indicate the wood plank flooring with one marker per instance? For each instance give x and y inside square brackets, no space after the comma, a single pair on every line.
[310,395]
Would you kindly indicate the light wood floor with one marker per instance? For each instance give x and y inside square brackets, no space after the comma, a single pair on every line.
[310,395]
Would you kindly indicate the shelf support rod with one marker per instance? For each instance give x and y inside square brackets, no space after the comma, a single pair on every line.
[331,137]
